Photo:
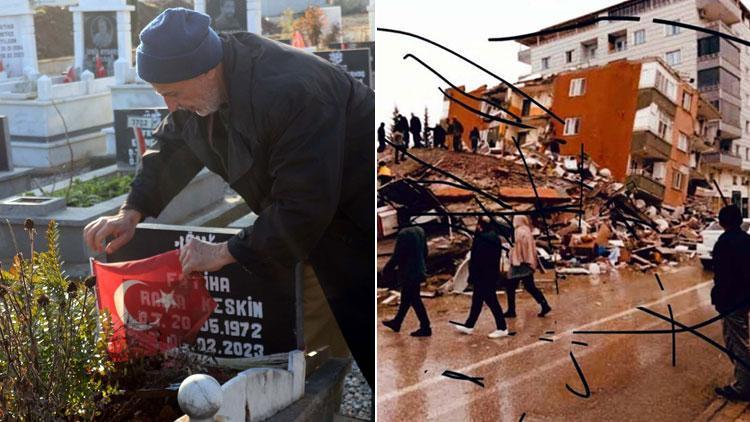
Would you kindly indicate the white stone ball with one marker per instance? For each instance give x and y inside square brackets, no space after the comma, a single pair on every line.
[200,396]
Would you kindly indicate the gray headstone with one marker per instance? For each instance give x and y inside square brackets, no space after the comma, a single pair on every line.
[227,15]
[100,40]
[6,159]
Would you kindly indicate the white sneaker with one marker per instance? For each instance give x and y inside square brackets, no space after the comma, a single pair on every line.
[462,328]
[498,334]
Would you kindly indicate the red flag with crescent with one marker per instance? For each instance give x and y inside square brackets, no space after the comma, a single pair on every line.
[152,309]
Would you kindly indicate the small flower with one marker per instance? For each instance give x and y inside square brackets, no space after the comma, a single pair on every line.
[28,224]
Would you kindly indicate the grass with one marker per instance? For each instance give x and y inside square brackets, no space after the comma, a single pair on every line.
[94,191]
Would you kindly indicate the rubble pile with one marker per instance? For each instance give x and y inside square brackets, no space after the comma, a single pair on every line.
[619,227]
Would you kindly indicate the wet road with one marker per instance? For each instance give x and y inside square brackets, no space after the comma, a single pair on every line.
[630,376]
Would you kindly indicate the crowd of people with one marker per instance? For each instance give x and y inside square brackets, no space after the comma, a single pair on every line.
[411,134]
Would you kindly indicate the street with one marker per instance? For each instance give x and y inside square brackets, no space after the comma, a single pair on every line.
[630,376]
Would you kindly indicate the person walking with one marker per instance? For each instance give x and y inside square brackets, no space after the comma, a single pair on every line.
[484,272]
[381,137]
[408,261]
[399,147]
[415,126]
[474,136]
[458,130]
[523,261]
[731,297]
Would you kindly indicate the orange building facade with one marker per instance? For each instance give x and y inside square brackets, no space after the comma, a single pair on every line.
[467,118]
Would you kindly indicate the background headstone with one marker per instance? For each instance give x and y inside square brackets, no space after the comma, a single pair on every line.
[17,39]
[227,15]
[256,313]
[355,62]
[126,149]
[6,159]
[100,39]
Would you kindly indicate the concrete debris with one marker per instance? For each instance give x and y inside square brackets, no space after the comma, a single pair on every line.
[620,227]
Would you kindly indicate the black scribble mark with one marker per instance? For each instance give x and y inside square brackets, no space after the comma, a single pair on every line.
[485,115]
[658,280]
[696,333]
[522,416]
[587,392]
[549,332]
[478,66]
[723,198]
[580,24]
[546,339]
[699,29]
[580,343]
[464,377]
[543,210]
[674,337]
[462,92]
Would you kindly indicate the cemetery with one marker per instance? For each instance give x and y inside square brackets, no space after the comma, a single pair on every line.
[72,134]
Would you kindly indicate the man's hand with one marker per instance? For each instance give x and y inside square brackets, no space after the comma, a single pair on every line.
[121,226]
[199,256]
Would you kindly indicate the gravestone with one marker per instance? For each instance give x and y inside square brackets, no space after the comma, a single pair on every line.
[127,123]
[17,39]
[257,314]
[6,157]
[355,62]
[232,15]
[101,33]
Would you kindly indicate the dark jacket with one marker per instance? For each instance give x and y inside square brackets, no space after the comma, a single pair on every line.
[381,134]
[415,125]
[484,266]
[409,255]
[296,144]
[731,256]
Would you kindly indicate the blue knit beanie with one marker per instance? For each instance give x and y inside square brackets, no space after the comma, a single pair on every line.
[177,45]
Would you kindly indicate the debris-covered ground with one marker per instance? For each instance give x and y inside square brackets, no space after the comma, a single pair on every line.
[618,227]
[357,396]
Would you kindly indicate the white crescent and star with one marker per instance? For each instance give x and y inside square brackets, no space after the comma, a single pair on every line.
[166,300]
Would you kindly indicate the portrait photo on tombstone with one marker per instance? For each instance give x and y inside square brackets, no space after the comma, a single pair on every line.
[228,15]
[100,42]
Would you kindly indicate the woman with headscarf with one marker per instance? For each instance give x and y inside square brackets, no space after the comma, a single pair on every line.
[484,271]
[523,261]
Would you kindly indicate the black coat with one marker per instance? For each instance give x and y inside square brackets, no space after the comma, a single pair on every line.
[381,134]
[415,125]
[296,144]
[409,257]
[731,256]
[484,266]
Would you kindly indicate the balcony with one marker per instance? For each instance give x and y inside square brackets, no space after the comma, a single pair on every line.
[727,11]
[646,145]
[729,131]
[650,95]
[524,56]
[721,160]
[646,185]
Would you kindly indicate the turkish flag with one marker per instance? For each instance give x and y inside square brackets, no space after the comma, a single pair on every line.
[152,309]
[101,71]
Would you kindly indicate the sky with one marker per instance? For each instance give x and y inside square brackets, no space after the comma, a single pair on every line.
[462,26]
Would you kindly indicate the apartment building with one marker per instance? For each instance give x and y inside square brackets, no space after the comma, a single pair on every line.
[718,68]
[468,119]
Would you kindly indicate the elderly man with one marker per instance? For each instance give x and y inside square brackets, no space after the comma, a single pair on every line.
[291,133]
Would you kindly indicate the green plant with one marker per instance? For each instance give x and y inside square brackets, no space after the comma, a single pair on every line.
[90,192]
[53,358]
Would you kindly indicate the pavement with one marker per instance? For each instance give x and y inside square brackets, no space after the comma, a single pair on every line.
[630,376]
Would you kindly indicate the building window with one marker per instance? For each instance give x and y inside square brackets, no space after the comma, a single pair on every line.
[526,107]
[577,87]
[682,142]
[687,101]
[747,126]
[545,63]
[673,57]
[734,180]
[670,30]
[708,77]
[677,179]
[666,86]
[664,127]
[572,126]
[639,37]
[569,56]
[618,41]
[708,45]
[588,49]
